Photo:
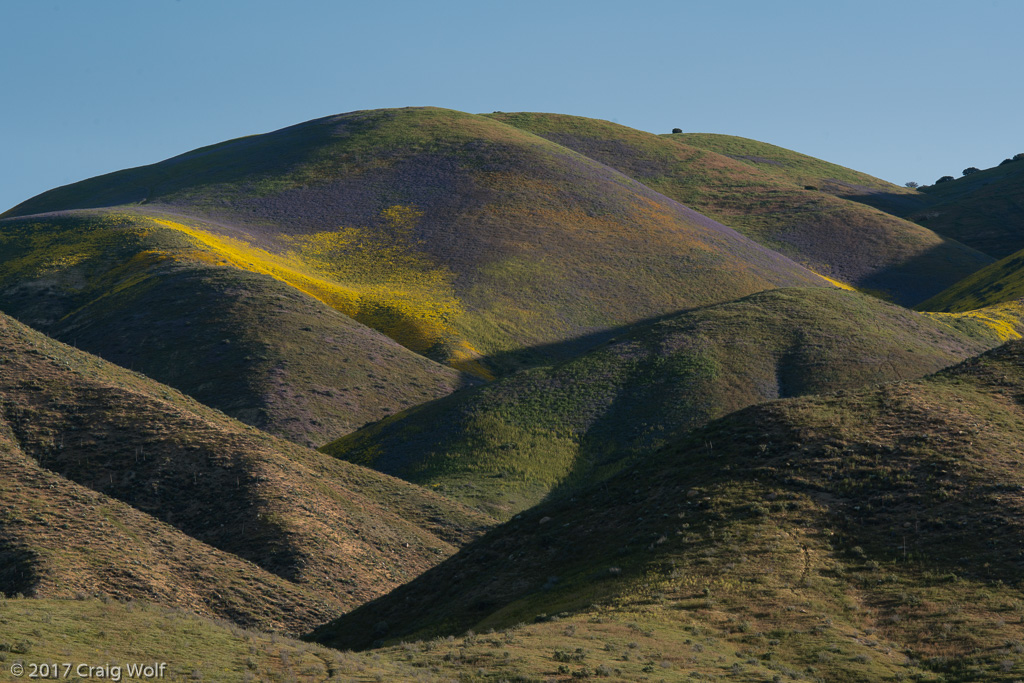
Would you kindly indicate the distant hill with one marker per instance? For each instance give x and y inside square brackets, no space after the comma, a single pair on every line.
[505,446]
[816,535]
[463,238]
[815,212]
[318,535]
[984,210]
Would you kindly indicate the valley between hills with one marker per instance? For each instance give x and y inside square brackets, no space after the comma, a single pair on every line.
[421,395]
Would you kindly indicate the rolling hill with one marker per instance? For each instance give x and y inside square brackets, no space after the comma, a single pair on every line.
[1000,284]
[505,446]
[225,518]
[147,295]
[810,210]
[620,423]
[852,536]
[984,210]
[461,237]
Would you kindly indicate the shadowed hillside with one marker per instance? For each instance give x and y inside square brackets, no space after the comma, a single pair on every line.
[339,533]
[1000,284]
[810,210]
[58,538]
[456,235]
[817,535]
[504,446]
[150,297]
[984,210]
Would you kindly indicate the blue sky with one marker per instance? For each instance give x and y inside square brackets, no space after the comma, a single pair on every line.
[901,90]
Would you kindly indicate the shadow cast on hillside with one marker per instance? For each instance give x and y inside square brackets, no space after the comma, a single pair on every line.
[899,205]
[506,362]
[920,278]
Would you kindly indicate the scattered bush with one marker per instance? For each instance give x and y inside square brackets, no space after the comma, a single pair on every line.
[944,179]
[971,169]
[912,185]
[677,130]
[566,656]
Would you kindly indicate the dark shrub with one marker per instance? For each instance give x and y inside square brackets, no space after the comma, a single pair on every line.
[677,130]
[944,179]
[971,169]
[912,185]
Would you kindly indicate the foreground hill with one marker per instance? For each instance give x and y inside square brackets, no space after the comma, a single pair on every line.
[148,295]
[318,536]
[505,446]
[854,536]
[984,210]
[107,633]
[810,210]
[457,235]
[58,538]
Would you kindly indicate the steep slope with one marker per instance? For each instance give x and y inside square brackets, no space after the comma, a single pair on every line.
[455,234]
[990,217]
[1000,284]
[810,210]
[335,531]
[984,210]
[820,534]
[148,296]
[504,446]
[58,538]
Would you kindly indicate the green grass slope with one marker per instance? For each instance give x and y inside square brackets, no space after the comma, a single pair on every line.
[871,535]
[1000,284]
[152,298]
[984,210]
[794,166]
[335,531]
[504,446]
[113,635]
[457,235]
[810,210]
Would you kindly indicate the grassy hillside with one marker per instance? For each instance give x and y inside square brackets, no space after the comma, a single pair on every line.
[108,633]
[1000,284]
[457,235]
[984,210]
[58,538]
[798,168]
[504,446]
[810,210]
[149,295]
[327,529]
[871,535]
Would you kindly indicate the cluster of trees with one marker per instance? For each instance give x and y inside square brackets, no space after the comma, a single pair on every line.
[974,169]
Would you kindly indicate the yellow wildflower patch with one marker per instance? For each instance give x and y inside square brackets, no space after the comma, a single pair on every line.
[835,283]
[375,277]
[1006,320]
